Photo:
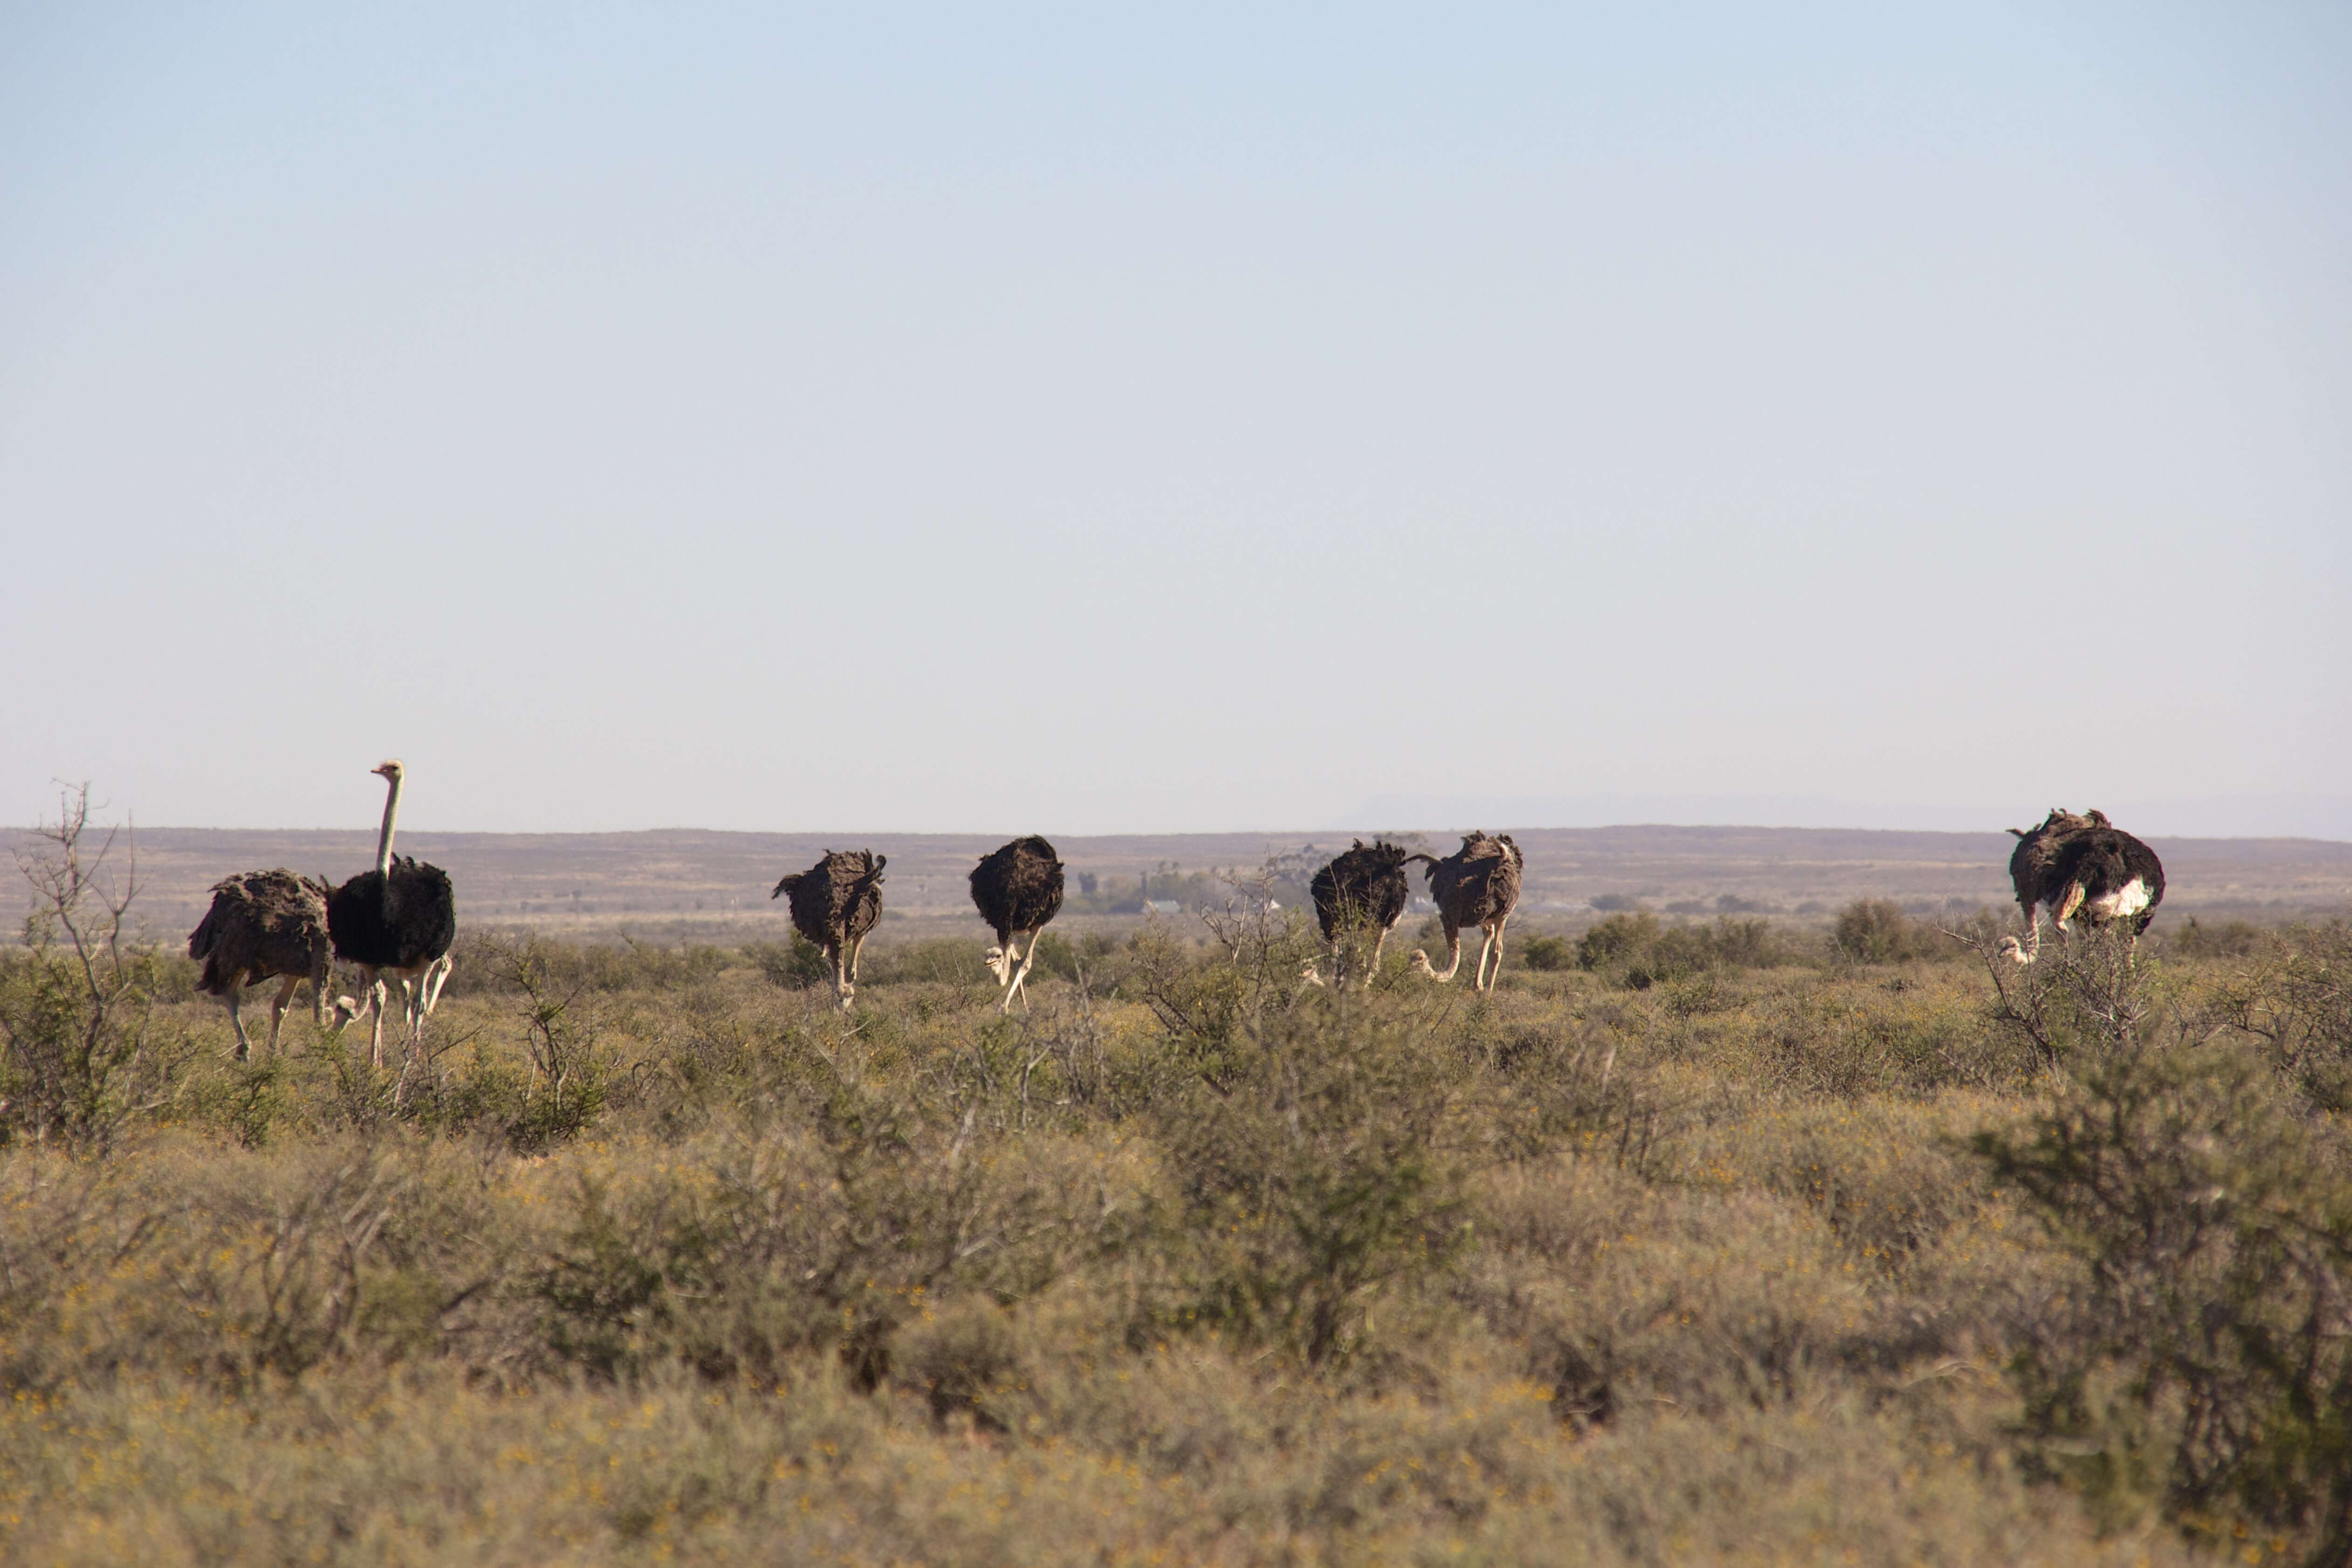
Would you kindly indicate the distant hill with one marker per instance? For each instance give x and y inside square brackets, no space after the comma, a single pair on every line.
[2251,816]
[685,883]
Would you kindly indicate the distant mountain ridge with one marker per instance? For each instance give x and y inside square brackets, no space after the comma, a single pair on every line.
[2243,816]
[680,883]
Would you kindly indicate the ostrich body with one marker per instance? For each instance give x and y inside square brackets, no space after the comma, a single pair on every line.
[1362,890]
[1478,885]
[835,904]
[1017,889]
[267,924]
[397,921]
[2082,865]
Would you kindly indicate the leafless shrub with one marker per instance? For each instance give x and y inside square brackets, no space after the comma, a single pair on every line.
[77,1048]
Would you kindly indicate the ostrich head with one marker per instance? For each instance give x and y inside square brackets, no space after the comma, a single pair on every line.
[998,961]
[389,770]
[346,1009]
[2014,951]
[1419,964]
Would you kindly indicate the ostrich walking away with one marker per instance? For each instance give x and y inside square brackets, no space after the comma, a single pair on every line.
[1362,891]
[835,904]
[267,924]
[1017,889]
[398,920]
[1478,885]
[2081,865]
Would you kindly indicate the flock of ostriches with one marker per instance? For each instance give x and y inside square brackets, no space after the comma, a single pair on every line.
[396,922]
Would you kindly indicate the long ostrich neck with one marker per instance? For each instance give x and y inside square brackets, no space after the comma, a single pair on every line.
[384,844]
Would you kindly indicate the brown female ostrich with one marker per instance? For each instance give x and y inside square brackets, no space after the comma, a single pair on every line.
[835,904]
[2084,865]
[1361,891]
[1477,885]
[398,920]
[264,925]
[1018,888]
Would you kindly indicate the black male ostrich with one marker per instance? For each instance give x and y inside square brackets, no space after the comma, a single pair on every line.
[1362,891]
[1478,884]
[398,920]
[835,904]
[2032,870]
[1017,889]
[2084,865]
[267,924]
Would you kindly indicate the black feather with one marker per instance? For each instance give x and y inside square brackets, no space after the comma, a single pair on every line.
[402,920]
[1018,886]
[2033,863]
[1366,883]
[262,924]
[838,899]
[2103,861]
[1478,883]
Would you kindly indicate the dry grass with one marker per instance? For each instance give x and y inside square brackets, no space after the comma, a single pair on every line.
[1187,1264]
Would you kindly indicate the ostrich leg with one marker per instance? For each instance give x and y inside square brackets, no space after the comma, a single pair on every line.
[412,992]
[1495,942]
[237,990]
[277,1008]
[435,978]
[1373,971]
[1008,984]
[376,1003]
[845,974]
[1014,974]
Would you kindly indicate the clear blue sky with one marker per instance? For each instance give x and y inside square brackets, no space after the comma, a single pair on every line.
[1072,419]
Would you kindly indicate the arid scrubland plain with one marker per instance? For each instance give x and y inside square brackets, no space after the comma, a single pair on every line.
[1762,1214]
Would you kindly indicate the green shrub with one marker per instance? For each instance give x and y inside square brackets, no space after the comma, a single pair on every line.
[1548,953]
[796,965]
[2224,940]
[2293,1004]
[1620,939]
[1314,1181]
[1642,951]
[1876,931]
[2199,1358]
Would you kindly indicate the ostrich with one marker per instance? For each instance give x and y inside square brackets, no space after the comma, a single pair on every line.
[2084,866]
[1360,890]
[2032,866]
[1018,888]
[264,925]
[1478,884]
[835,904]
[399,920]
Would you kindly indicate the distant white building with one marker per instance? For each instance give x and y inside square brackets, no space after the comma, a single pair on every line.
[1162,906]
